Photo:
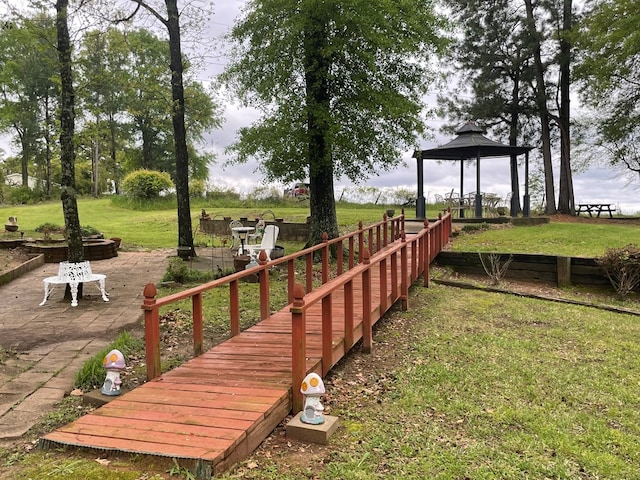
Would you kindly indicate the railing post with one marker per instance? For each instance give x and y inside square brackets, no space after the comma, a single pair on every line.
[340,257]
[151,331]
[348,315]
[385,231]
[378,239]
[298,347]
[394,276]
[360,243]
[196,309]
[367,331]
[263,277]
[426,255]
[234,307]
[309,272]
[327,334]
[383,285]
[351,252]
[325,258]
[291,278]
[404,271]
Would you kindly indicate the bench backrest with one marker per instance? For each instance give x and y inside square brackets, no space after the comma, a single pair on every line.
[75,272]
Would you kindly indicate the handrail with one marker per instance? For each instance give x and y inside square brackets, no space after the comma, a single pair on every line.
[422,245]
[151,304]
[376,237]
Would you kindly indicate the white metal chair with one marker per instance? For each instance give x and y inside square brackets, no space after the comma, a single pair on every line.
[258,233]
[235,236]
[267,244]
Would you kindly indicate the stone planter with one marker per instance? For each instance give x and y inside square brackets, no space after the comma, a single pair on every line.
[240,262]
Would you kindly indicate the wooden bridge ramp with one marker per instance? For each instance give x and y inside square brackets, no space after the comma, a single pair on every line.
[215,409]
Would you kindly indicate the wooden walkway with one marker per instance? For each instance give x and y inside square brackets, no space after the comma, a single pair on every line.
[215,409]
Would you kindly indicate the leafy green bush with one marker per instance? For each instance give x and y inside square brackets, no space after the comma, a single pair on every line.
[146,184]
[622,266]
[196,188]
[92,373]
[23,195]
[475,227]
[178,271]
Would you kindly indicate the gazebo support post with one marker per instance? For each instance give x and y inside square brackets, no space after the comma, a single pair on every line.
[478,193]
[526,208]
[461,201]
[421,209]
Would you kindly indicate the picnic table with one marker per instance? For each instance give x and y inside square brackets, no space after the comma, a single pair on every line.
[597,208]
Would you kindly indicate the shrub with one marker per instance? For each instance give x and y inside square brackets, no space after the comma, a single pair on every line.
[146,184]
[622,266]
[475,227]
[494,266]
[178,271]
[196,188]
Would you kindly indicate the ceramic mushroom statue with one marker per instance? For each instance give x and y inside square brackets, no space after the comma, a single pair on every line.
[312,388]
[114,363]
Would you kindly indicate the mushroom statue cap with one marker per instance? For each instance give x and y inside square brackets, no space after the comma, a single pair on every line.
[312,385]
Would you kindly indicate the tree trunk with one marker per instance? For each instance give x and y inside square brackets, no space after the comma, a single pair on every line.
[67,126]
[514,207]
[543,113]
[566,203]
[185,234]
[322,200]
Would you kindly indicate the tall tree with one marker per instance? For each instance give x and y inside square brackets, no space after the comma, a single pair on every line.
[67,130]
[495,65]
[340,84]
[608,42]
[172,24]
[28,88]
[566,203]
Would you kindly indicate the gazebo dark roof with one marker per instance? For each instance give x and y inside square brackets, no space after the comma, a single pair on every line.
[470,143]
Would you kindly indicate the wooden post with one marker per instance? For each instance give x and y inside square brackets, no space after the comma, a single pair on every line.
[383,286]
[340,257]
[385,231]
[394,276]
[351,252]
[298,347]
[325,258]
[196,309]
[378,239]
[291,278]
[426,256]
[367,331]
[564,271]
[309,272]
[263,277]
[348,315]
[404,271]
[151,331]
[360,243]
[234,307]
[327,334]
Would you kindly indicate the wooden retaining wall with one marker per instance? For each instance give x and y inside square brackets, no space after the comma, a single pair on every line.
[556,269]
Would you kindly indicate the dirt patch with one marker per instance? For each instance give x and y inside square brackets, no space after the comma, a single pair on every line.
[11,258]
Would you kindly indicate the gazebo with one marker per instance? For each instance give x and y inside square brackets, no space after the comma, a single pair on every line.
[468,145]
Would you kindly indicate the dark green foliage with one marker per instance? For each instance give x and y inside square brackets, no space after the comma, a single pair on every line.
[622,266]
[475,227]
[146,184]
[179,271]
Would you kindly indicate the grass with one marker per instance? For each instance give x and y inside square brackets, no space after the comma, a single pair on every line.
[568,239]
[484,388]
[464,385]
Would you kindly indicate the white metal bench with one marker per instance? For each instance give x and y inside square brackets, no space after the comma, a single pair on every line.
[74,274]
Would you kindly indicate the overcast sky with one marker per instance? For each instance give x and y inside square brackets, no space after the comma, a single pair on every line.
[597,185]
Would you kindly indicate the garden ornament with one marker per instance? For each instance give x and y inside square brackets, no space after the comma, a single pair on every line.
[114,363]
[312,388]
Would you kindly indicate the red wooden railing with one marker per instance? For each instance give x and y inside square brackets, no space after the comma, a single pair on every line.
[376,246]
